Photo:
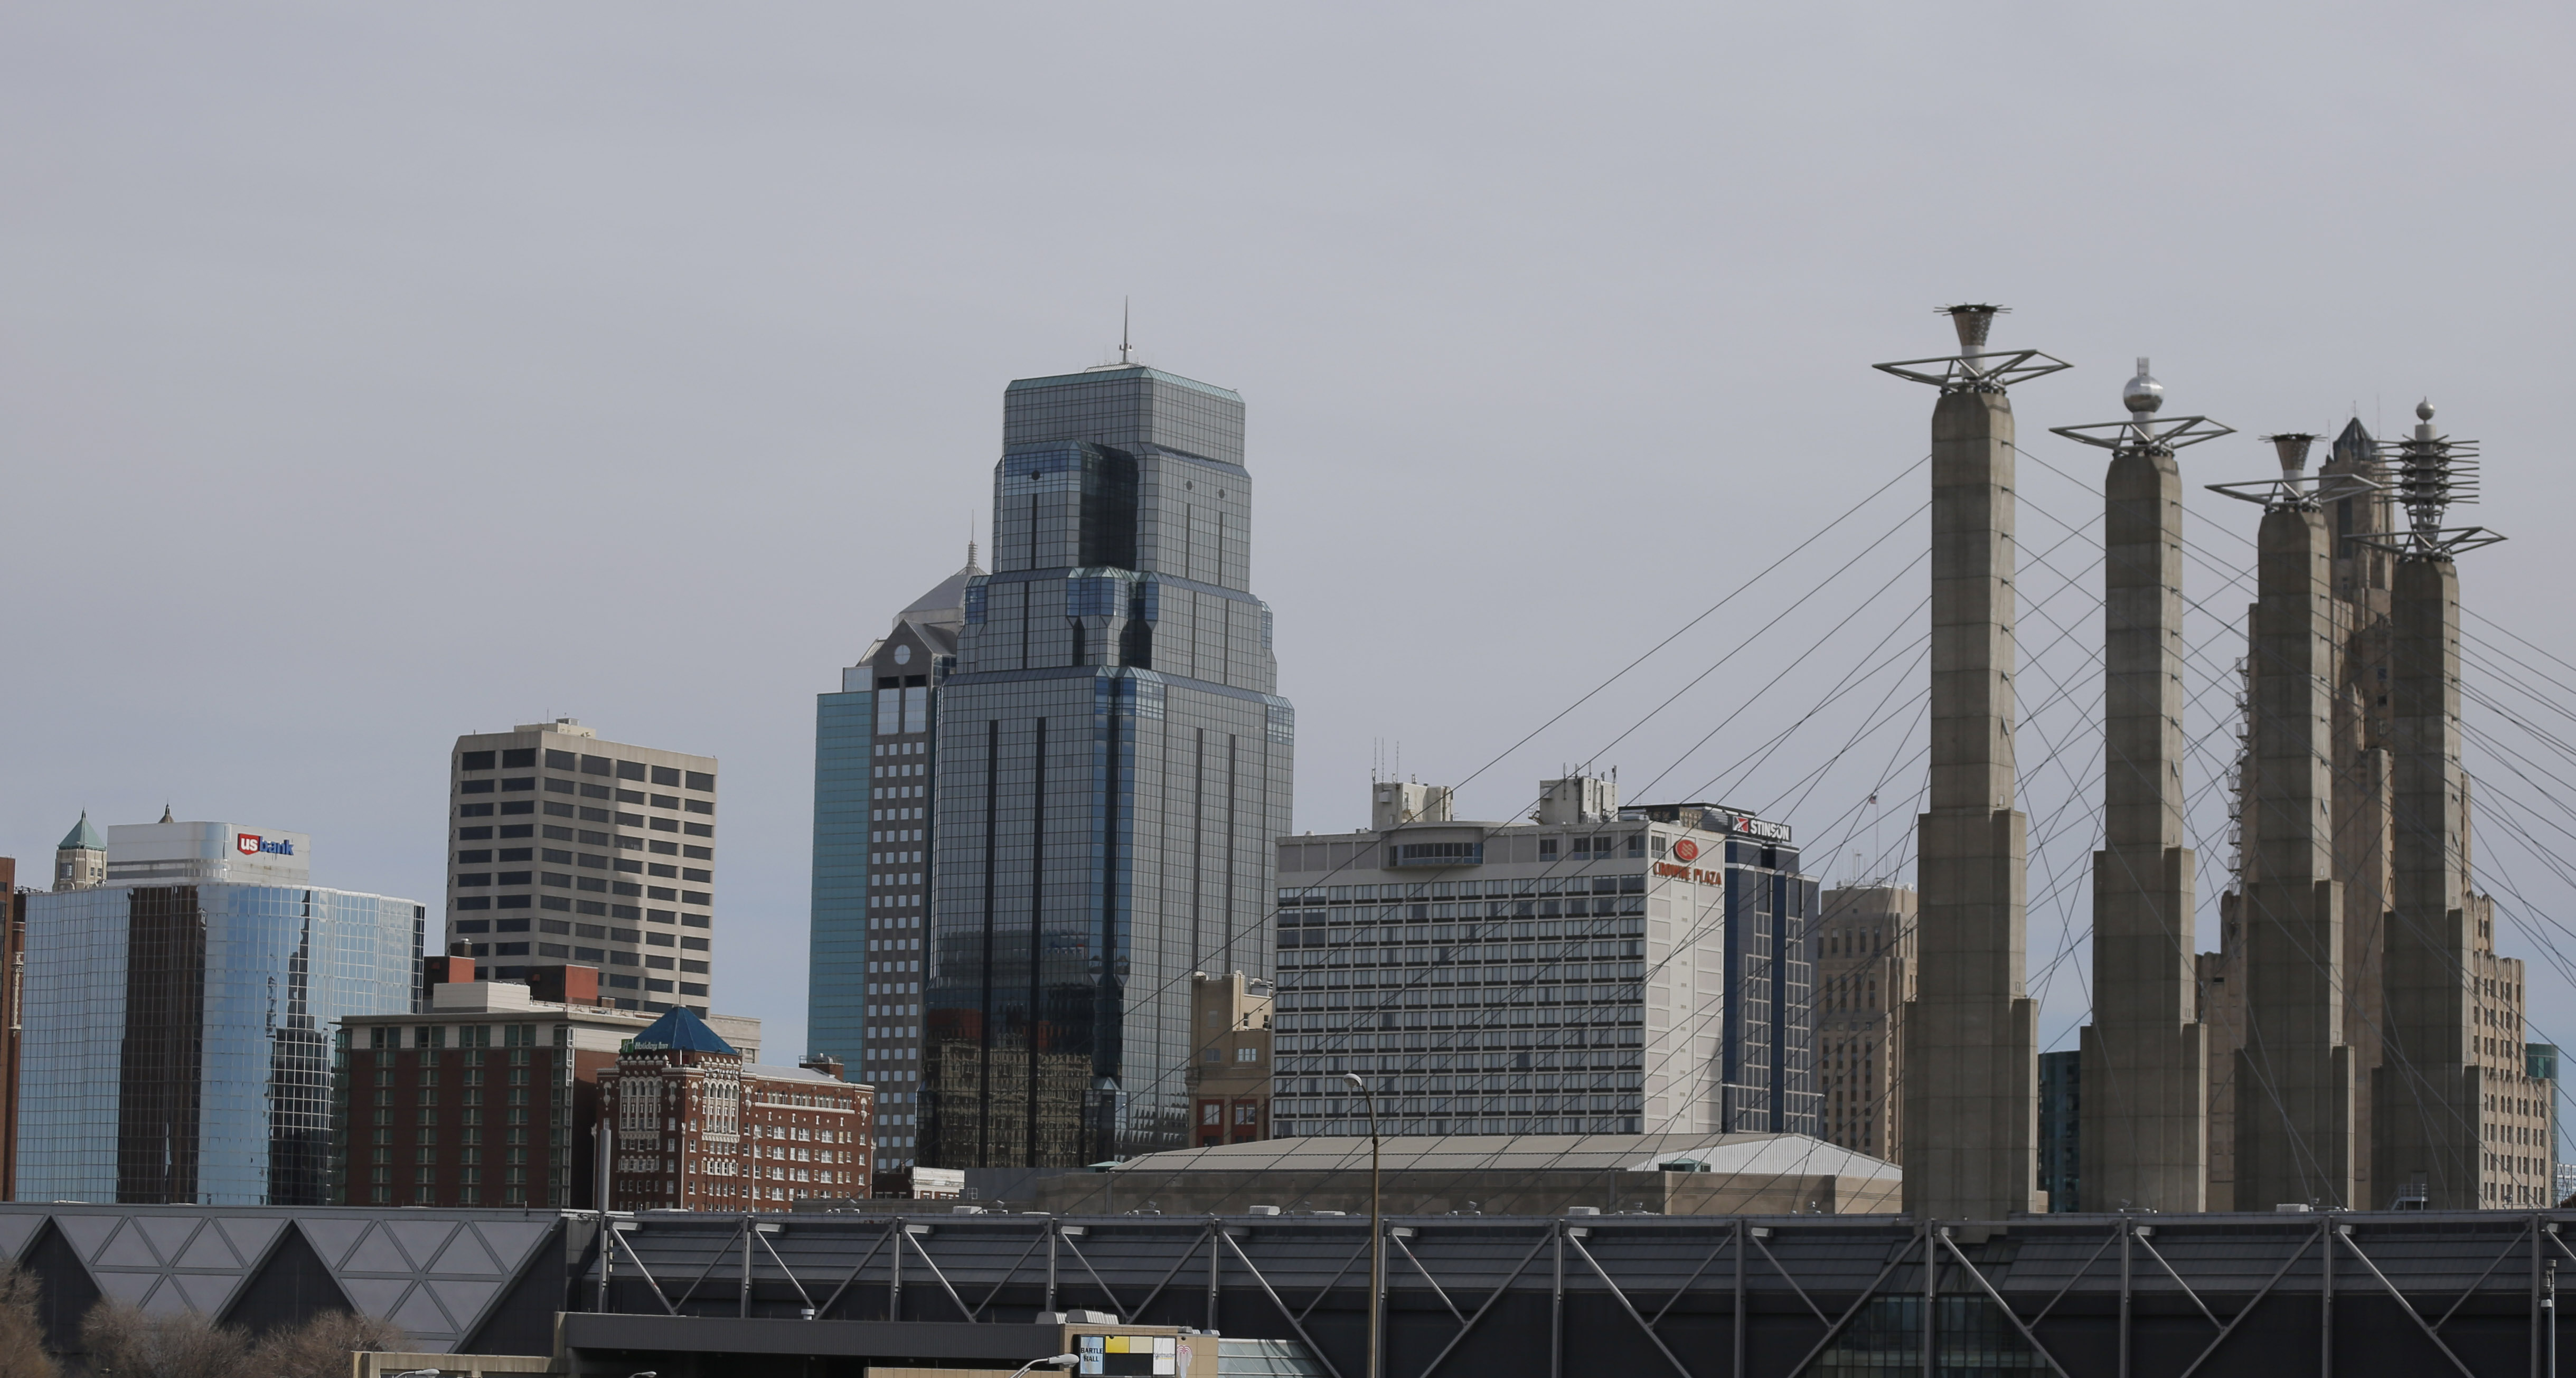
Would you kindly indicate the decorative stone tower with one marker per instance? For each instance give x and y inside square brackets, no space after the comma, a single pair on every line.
[1971,1034]
[2145,1055]
[2438,1064]
[2293,1074]
[80,862]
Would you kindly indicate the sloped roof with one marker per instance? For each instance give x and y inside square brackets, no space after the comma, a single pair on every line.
[948,597]
[1755,1153]
[84,834]
[681,1032]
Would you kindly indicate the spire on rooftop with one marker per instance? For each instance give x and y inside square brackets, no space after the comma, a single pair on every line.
[83,836]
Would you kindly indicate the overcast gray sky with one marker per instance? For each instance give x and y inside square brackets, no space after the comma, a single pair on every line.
[371,374]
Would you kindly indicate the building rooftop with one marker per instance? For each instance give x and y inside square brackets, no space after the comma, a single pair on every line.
[1740,1153]
[85,835]
[682,1032]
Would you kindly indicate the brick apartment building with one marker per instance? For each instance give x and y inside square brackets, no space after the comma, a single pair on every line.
[1230,1071]
[702,1127]
[487,1097]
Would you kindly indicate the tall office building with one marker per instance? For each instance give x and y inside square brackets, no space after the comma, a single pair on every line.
[13,1016]
[875,764]
[185,1006]
[1864,975]
[1112,766]
[571,849]
[1597,970]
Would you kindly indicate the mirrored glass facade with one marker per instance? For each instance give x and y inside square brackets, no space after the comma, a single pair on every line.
[180,1036]
[1112,765]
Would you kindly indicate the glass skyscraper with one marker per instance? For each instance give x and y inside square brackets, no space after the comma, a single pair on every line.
[1112,766]
[179,1019]
[875,764]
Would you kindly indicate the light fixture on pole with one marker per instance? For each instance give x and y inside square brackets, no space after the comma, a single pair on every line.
[1377,1230]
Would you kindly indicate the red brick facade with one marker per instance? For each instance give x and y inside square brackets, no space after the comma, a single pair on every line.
[697,1129]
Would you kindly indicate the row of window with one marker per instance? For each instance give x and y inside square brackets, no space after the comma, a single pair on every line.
[590,883]
[1523,887]
[1595,949]
[524,758]
[513,807]
[479,879]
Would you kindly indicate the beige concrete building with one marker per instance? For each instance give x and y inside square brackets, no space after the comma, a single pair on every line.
[567,848]
[1476,1174]
[1230,1068]
[1864,974]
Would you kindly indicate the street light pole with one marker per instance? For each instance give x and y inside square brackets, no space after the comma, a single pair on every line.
[1377,1229]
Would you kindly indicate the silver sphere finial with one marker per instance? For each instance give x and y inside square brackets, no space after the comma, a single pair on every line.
[2424,410]
[2143,394]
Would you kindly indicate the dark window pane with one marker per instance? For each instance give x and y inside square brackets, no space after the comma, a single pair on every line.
[518,757]
[474,760]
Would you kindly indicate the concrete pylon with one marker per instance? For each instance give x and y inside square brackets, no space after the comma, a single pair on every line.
[2294,1075]
[1971,1035]
[2145,1058]
[2430,1085]
[2424,1140]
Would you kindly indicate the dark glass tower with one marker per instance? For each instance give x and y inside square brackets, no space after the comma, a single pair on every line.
[1112,767]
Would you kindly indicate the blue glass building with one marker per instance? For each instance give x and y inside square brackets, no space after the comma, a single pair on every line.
[875,767]
[178,1035]
[1112,766]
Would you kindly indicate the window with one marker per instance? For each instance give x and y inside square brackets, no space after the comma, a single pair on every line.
[630,770]
[695,897]
[516,878]
[473,834]
[590,930]
[555,810]
[517,829]
[553,950]
[694,944]
[589,954]
[658,939]
[623,959]
[555,786]
[700,806]
[596,792]
[665,775]
[662,986]
[473,810]
[657,961]
[623,935]
[1547,846]
[519,757]
[510,926]
[474,760]
[553,926]
[662,848]
[514,902]
[589,815]
[667,825]
[1247,1054]
[561,760]
[661,892]
[552,901]
[474,901]
[692,988]
[698,967]
[700,780]
[514,854]
[699,829]
[478,878]
[694,920]
[519,785]
[474,787]
[1211,1113]
[598,765]
[471,858]
[621,982]
[520,806]
[473,925]
[701,877]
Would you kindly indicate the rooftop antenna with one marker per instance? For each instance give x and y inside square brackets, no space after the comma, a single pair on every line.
[1125,350]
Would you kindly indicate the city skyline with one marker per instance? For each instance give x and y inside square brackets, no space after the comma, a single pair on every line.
[453,370]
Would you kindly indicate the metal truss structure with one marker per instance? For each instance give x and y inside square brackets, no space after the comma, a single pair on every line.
[2078,1296]
[2138,1296]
